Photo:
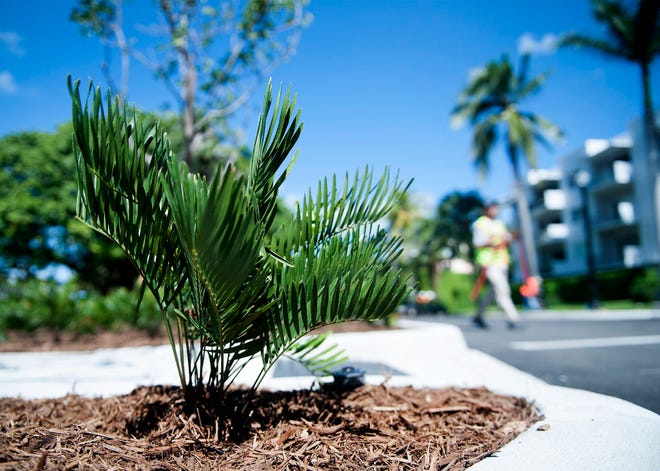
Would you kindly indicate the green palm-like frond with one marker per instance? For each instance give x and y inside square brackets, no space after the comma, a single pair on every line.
[342,262]
[120,162]
[273,144]
[632,34]
[217,231]
[521,135]
[221,242]
[578,40]
[530,87]
[545,131]
[619,22]
[484,137]
[317,361]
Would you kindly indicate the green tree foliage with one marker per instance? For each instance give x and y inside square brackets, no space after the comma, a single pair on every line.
[405,220]
[209,56]
[491,103]
[32,196]
[37,226]
[427,239]
[452,226]
[230,288]
[445,235]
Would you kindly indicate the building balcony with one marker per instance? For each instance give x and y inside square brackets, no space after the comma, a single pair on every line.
[601,152]
[623,219]
[612,188]
[629,257]
[553,235]
[550,206]
[618,226]
[543,179]
[614,179]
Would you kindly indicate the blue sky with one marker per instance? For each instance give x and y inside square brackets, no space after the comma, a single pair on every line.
[376,81]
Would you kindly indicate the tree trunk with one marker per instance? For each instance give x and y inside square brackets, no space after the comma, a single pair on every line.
[189,75]
[124,49]
[523,218]
[526,232]
[651,138]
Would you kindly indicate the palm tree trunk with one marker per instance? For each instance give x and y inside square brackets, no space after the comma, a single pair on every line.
[526,232]
[651,138]
[524,220]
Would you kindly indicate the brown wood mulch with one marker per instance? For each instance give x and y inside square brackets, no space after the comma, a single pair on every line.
[375,427]
[370,428]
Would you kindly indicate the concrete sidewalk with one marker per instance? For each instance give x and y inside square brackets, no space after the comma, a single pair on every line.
[588,431]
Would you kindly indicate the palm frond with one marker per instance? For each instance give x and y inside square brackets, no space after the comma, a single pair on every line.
[544,127]
[273,144]
[217,231]
[361,201]
[599,45]
[523,70]
[532,86]
[483,139]
[318,362]
[120,161]
[342,263]
[618,20]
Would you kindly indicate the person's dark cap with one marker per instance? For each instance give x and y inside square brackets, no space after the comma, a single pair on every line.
[490,203]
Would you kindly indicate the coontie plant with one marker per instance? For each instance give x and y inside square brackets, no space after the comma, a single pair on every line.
[230,286]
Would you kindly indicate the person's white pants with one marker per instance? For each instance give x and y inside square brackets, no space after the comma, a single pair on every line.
[500,291]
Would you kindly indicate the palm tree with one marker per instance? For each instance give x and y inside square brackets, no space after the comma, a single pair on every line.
[633,35]
[491,103]
[229,286]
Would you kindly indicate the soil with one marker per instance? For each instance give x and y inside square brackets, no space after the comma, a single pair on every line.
[374,427]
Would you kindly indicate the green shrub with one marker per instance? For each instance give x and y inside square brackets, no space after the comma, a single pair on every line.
[638,284]
[454,292]
[31,304]
[28,305]
[645,286]
[117,309]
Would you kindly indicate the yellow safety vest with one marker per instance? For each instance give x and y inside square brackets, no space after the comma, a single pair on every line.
[496,233]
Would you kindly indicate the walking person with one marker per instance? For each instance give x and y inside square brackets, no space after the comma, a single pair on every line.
[491,241]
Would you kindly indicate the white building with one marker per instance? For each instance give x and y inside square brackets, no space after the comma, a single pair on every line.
[621,204]
[547,203]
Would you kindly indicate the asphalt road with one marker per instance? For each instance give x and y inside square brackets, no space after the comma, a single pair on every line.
[617,356]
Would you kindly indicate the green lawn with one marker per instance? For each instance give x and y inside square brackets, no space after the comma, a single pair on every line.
[614,305]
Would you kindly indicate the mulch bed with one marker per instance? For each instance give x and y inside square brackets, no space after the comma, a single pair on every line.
[374,427]
[370,428]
